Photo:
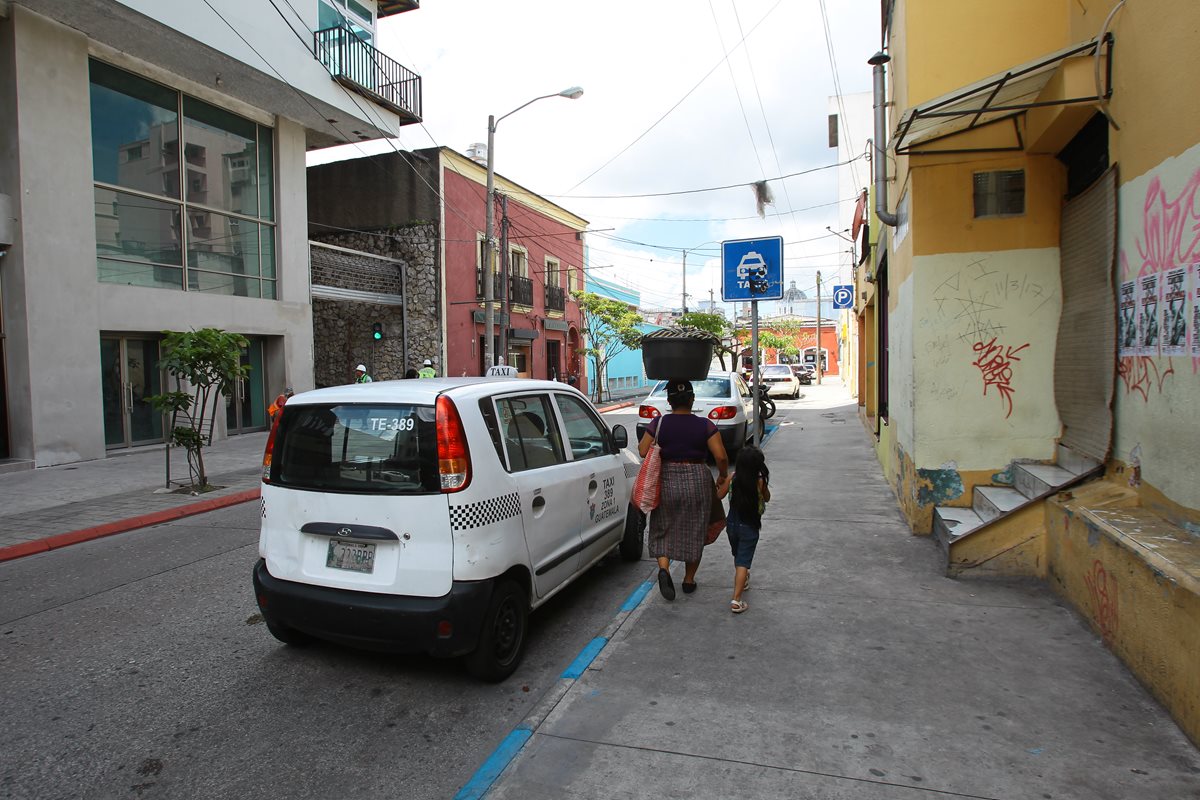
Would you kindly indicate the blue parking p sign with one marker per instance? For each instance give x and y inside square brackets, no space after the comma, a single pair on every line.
[843,297]
[752,269]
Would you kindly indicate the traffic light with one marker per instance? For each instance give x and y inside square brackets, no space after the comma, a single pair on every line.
[377,331]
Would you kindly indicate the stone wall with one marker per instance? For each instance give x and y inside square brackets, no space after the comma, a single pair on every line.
[342,328]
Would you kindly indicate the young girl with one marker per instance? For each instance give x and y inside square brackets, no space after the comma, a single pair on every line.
[749,494]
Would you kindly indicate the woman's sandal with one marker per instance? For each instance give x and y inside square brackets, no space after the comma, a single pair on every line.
[738,606]
[688,588]
[665,584]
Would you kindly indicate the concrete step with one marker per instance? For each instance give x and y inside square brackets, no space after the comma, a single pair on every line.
[1032,480]
[8,465]
[990,502]
[951,524]
[1075,463]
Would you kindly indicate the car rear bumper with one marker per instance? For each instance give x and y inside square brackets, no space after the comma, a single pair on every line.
[391,623]
[781,389]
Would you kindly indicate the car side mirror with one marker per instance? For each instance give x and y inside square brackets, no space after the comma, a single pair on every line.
[619,437]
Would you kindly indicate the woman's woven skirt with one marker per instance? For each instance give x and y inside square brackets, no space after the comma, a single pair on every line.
[678,525]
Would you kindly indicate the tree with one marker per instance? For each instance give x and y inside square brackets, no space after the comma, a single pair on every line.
[209,362]
[611,327]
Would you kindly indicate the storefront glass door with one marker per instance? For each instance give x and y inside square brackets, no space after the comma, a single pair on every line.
[246,407]
[130,374]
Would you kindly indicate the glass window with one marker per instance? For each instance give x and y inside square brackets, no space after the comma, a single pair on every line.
[135,131]
[385,449]
[999,193]
[516,263]
[222,151]
[531,436]
[210,160]
[588,436]
[709,387]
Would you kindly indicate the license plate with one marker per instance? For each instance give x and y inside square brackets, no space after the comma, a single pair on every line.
[353,556]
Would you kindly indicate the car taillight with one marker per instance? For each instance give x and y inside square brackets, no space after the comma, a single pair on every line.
[454,461]
[722,412]
[648,412]
[270,449]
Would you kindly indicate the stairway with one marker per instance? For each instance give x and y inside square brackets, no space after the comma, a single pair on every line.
[999,533]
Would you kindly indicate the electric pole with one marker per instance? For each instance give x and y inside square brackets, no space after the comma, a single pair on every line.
[819,370]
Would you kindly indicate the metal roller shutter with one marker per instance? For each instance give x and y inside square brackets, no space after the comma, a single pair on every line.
[1085,360]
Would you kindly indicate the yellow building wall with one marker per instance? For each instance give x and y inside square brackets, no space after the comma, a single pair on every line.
[951,43]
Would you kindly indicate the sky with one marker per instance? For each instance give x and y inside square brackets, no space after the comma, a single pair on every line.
[679,95]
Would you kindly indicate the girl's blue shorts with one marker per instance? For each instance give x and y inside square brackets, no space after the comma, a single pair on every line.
[743,540]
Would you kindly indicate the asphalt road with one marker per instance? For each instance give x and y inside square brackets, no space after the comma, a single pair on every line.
[137,666]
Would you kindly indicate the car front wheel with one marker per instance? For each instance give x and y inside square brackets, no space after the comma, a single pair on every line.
[502,640]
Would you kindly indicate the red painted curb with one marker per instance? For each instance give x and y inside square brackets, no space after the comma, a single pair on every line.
[618,405]
[121,526]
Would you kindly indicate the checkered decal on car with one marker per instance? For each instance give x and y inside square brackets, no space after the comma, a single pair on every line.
[631,470]
[485,512]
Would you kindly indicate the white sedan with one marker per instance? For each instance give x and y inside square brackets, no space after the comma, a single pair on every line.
[780,381]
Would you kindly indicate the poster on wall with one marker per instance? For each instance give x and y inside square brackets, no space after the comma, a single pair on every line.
[1149,292]
[1196,310]
[1174,312]
[1127,327]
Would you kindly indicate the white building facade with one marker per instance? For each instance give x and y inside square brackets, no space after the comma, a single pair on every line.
[152,163]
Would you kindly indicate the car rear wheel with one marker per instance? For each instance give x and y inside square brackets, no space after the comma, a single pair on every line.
[502,640]
[635,531]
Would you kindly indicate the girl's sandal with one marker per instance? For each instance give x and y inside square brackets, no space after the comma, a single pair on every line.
[738,606]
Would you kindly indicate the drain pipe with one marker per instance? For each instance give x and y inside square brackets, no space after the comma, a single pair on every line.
[879,157]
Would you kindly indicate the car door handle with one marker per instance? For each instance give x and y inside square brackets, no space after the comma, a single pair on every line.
[539,503]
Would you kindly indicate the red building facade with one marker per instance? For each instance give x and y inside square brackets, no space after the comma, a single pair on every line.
[544,248]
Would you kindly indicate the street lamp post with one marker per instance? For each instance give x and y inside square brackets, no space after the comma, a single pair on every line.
[489,289]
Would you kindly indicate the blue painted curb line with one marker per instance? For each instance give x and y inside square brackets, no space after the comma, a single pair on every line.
[479,784]
[486,775]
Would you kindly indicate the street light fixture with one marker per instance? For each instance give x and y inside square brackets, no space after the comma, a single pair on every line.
[489,289]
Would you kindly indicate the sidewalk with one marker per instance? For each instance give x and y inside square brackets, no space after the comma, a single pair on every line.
[95,498]
[859,671]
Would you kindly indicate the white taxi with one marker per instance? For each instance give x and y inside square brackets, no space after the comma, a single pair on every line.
[432,516]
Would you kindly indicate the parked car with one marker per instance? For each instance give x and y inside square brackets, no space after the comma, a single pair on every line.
[723,397]
[802,373]
[432,516]
[780,381]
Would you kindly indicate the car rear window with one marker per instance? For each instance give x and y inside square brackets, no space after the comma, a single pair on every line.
[782,369]
[376,449]
[709,387]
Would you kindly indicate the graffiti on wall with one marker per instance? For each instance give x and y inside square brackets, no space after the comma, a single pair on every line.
[995,362]
[1103,589]
[1154,318]
[974,305]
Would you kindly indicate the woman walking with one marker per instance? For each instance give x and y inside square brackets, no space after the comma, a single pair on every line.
[679,523]
[748,500]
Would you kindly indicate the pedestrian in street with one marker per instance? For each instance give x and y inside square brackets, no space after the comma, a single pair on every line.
[360,374]
[412,373]
[427,371]
[679,524]
[279,403]
[749,496]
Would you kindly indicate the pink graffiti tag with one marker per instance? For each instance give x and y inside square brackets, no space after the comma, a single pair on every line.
[1103,588]
[995,364]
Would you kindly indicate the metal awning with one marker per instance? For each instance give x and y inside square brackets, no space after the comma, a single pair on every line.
[389,7]
[1004,96]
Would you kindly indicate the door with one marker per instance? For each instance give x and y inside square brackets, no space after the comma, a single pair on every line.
[553,360]
[546,486]
[1085,358]
[130,374]
[598,486]
[4,447]
[246,408]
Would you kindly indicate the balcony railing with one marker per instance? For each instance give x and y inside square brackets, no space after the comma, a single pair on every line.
[361,68]
[521,291]
[556,299]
